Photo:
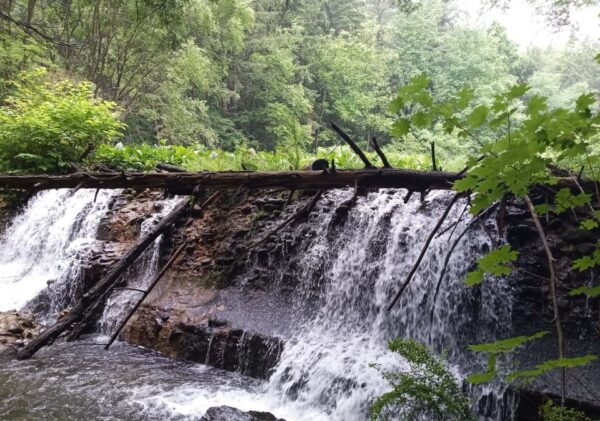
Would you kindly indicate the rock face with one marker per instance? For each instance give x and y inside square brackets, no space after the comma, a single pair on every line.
[532,305]
[16,329]
[206,342]
[227,413]
[195,313]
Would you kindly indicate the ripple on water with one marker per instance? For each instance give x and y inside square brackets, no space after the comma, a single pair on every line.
[126,383]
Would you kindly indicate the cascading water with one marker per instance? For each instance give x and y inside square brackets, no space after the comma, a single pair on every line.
[358,270]
[139,276]
[344,278]
[42,245]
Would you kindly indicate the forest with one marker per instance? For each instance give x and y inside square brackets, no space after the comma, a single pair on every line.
[214,85]
[363,209]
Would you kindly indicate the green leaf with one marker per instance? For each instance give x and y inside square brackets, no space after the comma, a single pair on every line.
[421,119]
[396,105]
[589,224]
[400,128]
[505,346]
[584,263]
[546,366]
[542,208]
[478,116]
[495,263]
[517,91]
[584,102]
[591,292]
[537,104]
[481,378]
[474,278]
[465,96]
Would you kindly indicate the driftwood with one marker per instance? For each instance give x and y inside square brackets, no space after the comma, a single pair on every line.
[145,294]
[185,183]
[98,291]
[88,316]
[298,216]
[352,145]
[424,249]
[384,160]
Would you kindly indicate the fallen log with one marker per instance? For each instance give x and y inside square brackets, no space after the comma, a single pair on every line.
[185,183]
[104,285]
[145,294]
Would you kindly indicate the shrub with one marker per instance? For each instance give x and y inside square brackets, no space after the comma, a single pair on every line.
[46,126]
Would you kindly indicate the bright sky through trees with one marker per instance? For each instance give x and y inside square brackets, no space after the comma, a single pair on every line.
[526,27]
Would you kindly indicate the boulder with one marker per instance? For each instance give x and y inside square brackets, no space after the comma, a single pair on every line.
[228,413]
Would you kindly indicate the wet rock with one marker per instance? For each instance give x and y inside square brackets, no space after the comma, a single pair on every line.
[228,413]
[224,260]
[205,261]
[576,236]
[14,328]
[585,248]
[213,342]
[521,233]
[214,322]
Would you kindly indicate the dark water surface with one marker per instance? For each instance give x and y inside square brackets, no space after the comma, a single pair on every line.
[84,382]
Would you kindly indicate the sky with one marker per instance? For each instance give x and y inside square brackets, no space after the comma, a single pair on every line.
[526,28]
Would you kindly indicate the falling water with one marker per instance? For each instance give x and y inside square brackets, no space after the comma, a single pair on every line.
[139,276]
[327,363]
[344,277]
[43,244]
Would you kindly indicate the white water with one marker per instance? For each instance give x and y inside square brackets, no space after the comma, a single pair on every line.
[42,243]
[122,301]
[327,363]
[325,370]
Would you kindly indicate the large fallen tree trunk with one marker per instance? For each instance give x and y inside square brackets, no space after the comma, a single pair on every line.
[104,285]
[184,183]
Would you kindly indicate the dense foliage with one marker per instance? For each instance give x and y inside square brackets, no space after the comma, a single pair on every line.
[46,125]
[271,74]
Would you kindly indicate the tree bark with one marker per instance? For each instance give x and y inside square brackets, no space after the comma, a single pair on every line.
[553,290]
[99,290]
[184,183]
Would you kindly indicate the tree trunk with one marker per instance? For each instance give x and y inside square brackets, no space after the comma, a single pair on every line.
[184,183]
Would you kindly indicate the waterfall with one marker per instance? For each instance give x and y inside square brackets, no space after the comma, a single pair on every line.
[355,270]
[42,245]
[121,301]
[340,278]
